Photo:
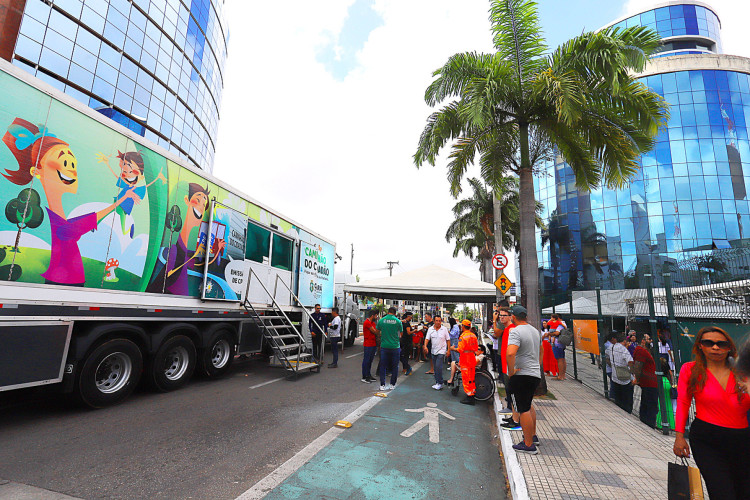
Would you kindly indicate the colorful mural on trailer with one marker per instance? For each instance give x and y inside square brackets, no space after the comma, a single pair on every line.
[86,206]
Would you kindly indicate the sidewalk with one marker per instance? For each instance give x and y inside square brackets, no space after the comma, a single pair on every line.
[592,449]
[398,447]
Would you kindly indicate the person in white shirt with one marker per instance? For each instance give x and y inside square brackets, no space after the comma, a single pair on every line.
[334,333]
[440,338]
[621,360]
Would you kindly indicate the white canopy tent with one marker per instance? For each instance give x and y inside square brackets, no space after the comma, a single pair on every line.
[428,284]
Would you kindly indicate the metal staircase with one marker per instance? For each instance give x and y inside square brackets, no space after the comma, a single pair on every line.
[281,333]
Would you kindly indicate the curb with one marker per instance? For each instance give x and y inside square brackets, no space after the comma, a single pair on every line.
[516,480]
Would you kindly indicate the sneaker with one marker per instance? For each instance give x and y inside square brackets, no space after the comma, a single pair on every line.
[505,411]
[371,379]
[408,371]
[535,440]
[391,387]
[437,387]
[331,365]
[383,387]
[366,380]
[468,400]
[522,448]
[511,426]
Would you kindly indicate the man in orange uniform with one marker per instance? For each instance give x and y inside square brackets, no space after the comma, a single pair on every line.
[467,350]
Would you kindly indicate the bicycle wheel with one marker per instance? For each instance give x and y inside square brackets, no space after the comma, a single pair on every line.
[485,386]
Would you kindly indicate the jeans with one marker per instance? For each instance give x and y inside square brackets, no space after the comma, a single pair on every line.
[367,361]
[649,406]
[335,349]
[437,361]
[389,359]
[406,349]
[316,342]
[623,395]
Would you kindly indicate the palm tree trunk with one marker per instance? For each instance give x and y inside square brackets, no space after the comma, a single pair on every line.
[528,257]
[527,216]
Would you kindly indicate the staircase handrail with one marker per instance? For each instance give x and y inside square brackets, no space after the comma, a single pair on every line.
[309,315]
[273,300]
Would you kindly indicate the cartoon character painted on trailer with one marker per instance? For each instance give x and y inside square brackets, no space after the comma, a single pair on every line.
[49,160]
[178,264]
[131,174]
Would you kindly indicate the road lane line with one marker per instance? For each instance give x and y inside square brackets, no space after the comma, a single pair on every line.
[275,478]
[352,355]
[266,383]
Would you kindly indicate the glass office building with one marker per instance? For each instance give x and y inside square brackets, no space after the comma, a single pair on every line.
[689,202]
[154,66]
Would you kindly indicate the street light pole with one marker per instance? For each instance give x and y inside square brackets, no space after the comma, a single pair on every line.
[497,218]
[391,263]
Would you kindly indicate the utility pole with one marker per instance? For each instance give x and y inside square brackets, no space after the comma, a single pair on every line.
[497,216]
[391,263]
[351,268]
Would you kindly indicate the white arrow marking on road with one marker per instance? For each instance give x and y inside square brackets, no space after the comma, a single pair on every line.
[431,418]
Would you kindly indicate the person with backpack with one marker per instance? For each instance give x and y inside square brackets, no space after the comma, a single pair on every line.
[558,329]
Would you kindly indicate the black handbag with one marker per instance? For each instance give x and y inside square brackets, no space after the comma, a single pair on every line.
[678,481]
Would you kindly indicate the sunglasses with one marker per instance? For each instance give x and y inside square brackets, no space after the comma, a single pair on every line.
[722,344]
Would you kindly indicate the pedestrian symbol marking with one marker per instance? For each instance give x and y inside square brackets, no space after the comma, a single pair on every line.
[504,284]
[499,261]
[431,418]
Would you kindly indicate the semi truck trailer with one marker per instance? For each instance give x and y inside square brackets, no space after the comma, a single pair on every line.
[120,263]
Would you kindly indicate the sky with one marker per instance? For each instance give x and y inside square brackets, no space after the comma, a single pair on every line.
[323,106]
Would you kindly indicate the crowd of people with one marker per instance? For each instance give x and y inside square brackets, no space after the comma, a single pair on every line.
[717,380]
[454,346]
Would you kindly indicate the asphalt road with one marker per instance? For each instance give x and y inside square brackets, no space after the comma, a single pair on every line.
[211,439]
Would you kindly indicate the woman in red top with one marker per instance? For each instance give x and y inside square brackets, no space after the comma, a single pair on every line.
[719,436]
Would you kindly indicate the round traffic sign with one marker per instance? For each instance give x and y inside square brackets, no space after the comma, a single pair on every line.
[499,261]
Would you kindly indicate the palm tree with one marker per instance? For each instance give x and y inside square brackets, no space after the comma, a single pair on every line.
[473,227]
[582,99]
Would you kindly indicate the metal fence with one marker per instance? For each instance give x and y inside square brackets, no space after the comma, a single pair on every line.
[680,311]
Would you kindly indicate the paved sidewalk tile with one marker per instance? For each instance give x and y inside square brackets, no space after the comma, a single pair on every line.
[592,449]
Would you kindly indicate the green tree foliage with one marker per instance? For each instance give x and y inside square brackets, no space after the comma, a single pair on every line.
[174,219]
[510,107]
[24,211]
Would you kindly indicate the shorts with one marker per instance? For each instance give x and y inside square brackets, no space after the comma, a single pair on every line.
[521,389]
[455,356]
[558,352]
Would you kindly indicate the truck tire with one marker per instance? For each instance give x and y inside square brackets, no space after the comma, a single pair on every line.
[351,334]
[173,364]
[217,357]
[109,373]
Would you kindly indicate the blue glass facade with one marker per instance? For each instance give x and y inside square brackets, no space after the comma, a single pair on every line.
[678,21]
[154,66]
[689,199]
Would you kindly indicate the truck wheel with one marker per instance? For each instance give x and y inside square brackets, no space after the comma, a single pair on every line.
[173,364]
[217,357]
[351,334]
[109,374]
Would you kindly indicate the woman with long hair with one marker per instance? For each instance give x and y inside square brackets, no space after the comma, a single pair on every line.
[719,435]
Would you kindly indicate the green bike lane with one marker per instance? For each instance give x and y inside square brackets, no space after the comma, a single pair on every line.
[416,443]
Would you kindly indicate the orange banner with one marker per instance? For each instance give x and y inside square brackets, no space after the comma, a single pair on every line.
[587,338]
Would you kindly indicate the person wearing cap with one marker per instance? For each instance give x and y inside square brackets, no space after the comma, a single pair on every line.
[523,355]
[467,350]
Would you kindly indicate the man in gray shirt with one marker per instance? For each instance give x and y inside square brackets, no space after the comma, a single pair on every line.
[523,355]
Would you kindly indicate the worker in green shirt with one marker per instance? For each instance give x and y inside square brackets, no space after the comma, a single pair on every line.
[390,347]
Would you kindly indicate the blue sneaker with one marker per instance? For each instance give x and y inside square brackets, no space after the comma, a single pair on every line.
[522,448]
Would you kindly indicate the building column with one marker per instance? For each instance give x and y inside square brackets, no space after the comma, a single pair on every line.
[11,12]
